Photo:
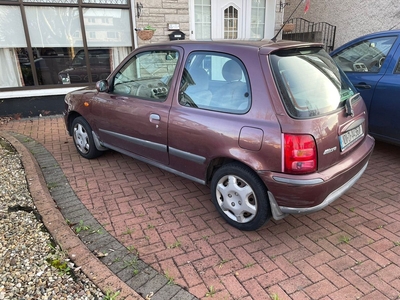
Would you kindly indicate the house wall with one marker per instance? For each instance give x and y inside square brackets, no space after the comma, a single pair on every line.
[160,13]
[351,18]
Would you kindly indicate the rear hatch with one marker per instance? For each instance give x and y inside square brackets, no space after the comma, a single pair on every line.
[323,117]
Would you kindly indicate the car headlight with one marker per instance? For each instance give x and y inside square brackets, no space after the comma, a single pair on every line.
[64,78]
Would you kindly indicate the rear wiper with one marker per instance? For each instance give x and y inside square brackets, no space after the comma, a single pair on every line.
[348,105]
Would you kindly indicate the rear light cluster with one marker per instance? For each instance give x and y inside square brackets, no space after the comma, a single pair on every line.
[299,154]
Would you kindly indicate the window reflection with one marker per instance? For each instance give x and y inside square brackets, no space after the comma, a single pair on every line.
[57,54]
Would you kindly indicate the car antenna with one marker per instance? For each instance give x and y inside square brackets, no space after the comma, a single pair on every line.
[284,23]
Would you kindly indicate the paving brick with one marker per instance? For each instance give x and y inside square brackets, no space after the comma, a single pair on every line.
[320,289]
[295,283]
[271,278]
[332,276]
[299,257]
[357,281]
[255,290]
[349,292]
[309,271]
[374,256]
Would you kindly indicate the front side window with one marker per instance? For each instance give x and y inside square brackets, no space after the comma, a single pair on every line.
[365,56]
[147,75]
[310,82]
[215,82]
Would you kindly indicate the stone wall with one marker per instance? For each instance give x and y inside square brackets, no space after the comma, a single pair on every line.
[351,18]
[160,13]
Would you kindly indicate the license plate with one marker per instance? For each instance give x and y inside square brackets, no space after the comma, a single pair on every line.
[349,137]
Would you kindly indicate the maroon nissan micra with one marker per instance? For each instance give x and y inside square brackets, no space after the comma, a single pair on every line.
[274,128]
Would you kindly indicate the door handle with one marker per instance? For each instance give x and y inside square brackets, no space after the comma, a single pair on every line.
[362,86]
[154,117]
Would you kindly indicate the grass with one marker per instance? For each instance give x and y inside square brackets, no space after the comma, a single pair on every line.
[132,249]
[81,227]
[222,262]
[51,185]
[110,295]
[128,231]
[274,296]
[58,259]
[344,239]
[211,291]
[169,277]
[133,263]
[175,245]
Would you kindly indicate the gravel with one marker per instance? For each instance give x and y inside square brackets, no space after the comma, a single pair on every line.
[32,266]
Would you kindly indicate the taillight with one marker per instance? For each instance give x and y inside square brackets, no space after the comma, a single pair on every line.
[300,154]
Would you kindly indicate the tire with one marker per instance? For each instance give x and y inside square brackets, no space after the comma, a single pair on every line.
[240,197]
[83,138]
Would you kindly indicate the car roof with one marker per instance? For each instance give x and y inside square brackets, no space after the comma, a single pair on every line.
[264,46]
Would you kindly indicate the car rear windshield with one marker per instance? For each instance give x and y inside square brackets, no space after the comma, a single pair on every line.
[310,82]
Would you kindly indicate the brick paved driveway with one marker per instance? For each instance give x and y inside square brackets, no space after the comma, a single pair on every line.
[350,250]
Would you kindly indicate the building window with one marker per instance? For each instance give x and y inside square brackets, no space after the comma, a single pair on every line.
[202,22]
[230,23]
[257,19]
[58,54]
[12,45]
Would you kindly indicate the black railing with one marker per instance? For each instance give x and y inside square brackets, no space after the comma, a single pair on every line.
[299,29]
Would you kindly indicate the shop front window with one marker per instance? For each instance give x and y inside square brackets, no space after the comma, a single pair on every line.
[111,32]
[12,38]
[54,40]
[57,54]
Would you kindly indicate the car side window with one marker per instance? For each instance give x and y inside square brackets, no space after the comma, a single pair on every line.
[215,81]
[365,56]
[397,71]
[147,75]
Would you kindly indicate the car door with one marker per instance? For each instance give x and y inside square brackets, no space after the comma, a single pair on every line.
[132,117]
[384,111]
[211,117]
[368,63]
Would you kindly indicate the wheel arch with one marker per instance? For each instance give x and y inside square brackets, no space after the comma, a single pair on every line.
[72,115]
[218,162]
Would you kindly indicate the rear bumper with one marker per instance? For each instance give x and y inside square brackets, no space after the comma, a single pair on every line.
[309,193]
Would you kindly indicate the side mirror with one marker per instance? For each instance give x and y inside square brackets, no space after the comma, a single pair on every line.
[102,86]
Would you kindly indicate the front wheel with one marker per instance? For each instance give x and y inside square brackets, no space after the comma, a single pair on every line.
[83,138]
[240,197]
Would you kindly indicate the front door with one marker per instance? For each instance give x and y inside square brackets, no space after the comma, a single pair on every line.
[232,19]
[133,116]
[229,20]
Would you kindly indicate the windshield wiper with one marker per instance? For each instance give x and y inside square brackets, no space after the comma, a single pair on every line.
[349,106]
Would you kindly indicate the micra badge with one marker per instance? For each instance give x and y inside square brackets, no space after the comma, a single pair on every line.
[330,150]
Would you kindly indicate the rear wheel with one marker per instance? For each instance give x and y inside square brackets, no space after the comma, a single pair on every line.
[83,138]
[240,197]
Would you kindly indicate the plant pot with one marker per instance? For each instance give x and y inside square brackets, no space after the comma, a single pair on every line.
[145,34]
[289,27]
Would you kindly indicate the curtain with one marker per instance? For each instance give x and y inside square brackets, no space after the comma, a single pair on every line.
[10,76]
[118,55]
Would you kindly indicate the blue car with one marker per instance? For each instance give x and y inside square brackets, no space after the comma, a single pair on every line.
[372,63]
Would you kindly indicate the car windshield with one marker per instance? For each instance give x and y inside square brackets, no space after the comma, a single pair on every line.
[309,81]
